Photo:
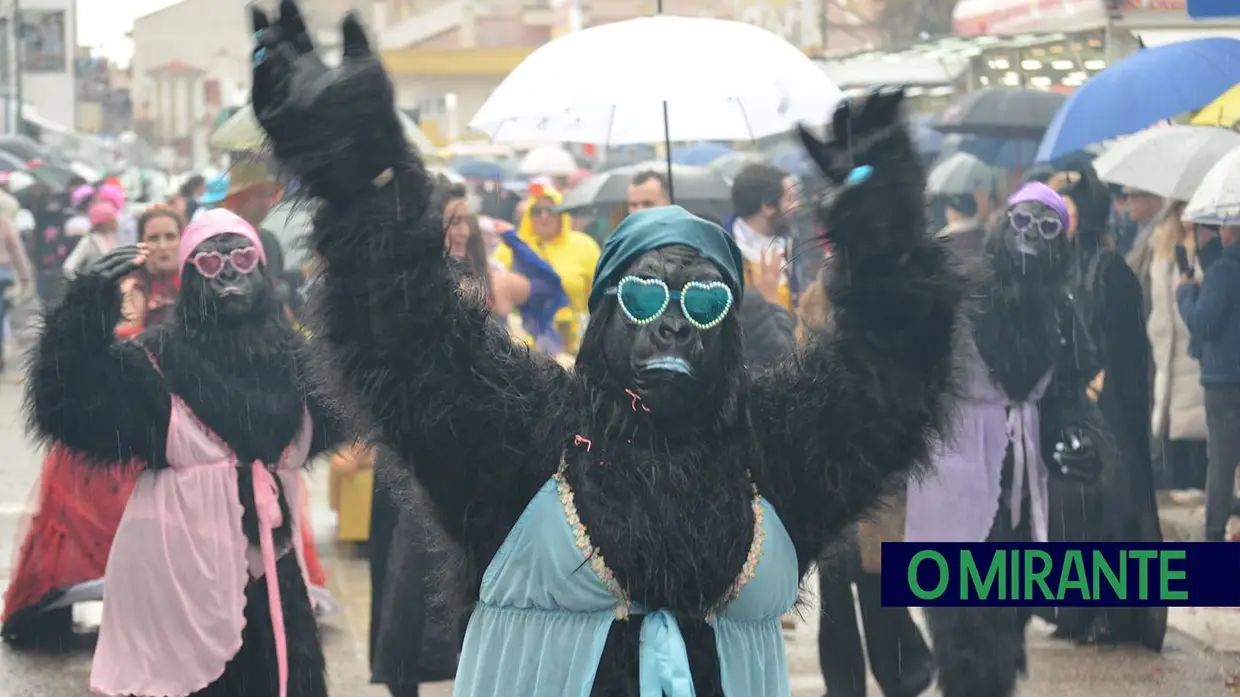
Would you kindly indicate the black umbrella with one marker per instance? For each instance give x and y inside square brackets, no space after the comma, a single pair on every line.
[1001,112]
[696,187]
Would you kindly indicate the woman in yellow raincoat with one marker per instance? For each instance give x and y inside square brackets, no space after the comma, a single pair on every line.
[572,254]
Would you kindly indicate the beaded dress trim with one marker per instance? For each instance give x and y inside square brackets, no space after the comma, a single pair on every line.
[594,556]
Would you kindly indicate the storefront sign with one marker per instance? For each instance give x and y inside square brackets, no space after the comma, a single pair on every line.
[1001,17]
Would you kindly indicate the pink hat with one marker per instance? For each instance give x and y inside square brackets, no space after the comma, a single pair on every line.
[112,194]
[81,194]
[214,223]
[101,213]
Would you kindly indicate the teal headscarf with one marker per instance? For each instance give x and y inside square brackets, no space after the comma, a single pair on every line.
[655,228]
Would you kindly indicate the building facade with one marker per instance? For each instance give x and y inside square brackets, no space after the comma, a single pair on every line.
[43,45]
[193,58]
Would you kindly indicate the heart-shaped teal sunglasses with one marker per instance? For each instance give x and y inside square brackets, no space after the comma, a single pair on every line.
[642,300]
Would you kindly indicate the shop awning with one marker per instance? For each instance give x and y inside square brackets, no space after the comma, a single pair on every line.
[894,68]
[933,64]
[1162,37]
[1001,17]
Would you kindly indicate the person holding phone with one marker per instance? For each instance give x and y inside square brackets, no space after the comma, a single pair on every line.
[1210,306]
[1178,415]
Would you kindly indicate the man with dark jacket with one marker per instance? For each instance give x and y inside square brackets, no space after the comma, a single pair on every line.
[1210,307]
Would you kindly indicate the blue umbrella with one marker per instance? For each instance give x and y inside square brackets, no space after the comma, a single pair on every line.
[699,155]
[1147,87]
[480,169]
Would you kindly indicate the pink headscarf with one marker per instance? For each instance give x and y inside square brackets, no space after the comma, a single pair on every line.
[214,223]
[80,194]
[112,194]
[101,213]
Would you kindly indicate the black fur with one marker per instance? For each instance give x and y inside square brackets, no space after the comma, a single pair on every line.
[252,672]
[664,493]
[241,375]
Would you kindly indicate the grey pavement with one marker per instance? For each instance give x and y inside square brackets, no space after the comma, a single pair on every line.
[1201,659]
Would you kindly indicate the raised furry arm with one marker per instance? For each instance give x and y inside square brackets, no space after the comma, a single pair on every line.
[90,392]
[426,366]
[863,406]
[860,409]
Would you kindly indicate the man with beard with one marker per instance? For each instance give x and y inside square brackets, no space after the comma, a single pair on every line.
[205,587]
[1025,404]
[641,523]
[764,199]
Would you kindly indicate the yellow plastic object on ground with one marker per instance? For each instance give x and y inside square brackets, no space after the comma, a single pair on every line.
[1224,111]
[350,490]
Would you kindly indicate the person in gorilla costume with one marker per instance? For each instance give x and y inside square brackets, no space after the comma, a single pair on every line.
[639,525]
[1027,417]
[214,403]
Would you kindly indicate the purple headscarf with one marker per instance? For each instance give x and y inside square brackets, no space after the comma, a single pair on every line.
[1043,194]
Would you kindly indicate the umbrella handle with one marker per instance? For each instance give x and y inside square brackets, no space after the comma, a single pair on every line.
[667,144]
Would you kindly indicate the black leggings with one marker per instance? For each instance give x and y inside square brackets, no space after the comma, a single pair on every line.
[1223,446]
[899,658]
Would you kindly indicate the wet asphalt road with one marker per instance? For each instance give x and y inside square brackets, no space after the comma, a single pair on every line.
[1187,667]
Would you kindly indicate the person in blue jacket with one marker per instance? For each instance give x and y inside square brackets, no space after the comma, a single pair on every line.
[1210,306]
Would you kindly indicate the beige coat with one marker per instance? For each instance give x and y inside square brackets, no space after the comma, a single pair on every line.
[1179,409]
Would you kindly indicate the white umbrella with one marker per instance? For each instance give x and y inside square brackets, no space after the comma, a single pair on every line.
[241,132]
[1170,161]
[551,160]
[1217,199]
[701,79]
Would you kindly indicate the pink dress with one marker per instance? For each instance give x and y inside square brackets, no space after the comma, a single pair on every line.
[176,577]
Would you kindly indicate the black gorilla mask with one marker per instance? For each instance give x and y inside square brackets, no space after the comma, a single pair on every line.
[678,370]
[230,295]
[1032,240]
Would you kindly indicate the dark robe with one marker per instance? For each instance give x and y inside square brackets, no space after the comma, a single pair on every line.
[1121,507]
[417,616]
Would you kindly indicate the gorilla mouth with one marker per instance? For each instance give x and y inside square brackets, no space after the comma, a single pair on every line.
[231,291]
[1026,249]
[667,364]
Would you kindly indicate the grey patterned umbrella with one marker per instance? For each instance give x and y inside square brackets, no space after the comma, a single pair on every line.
[960,173]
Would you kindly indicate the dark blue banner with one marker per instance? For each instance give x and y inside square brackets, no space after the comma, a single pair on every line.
[1201,9]
[1061,574]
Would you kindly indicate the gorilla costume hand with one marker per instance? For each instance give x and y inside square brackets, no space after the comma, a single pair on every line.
[114,266]
[334,126]
[868,151]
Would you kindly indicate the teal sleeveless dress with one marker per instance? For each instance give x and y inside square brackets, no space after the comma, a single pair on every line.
[548,601]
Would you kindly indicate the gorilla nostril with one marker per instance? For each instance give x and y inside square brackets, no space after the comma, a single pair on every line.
[673,329]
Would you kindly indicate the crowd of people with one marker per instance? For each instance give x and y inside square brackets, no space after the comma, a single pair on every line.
[717,404]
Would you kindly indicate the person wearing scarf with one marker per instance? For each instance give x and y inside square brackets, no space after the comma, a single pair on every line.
[104,219]
[572,255]
[546,291]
